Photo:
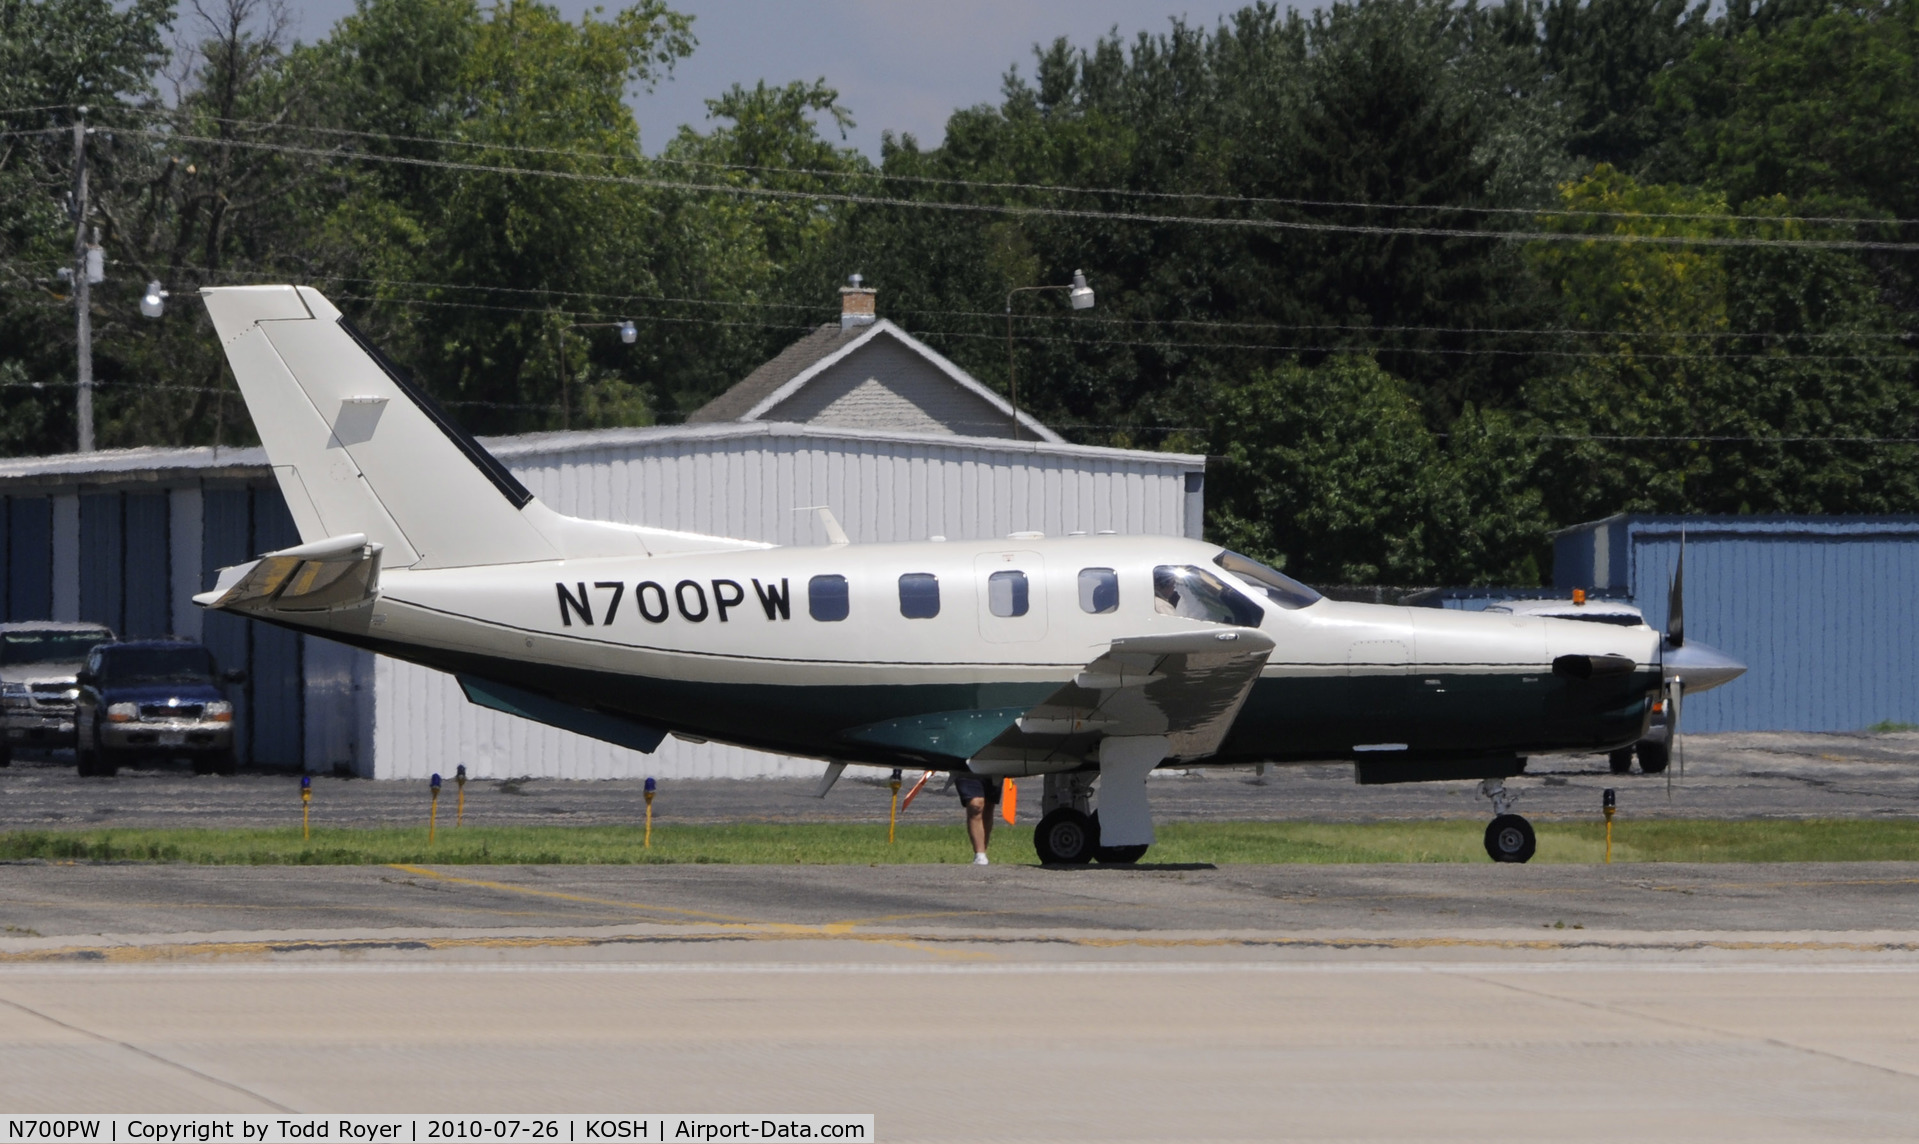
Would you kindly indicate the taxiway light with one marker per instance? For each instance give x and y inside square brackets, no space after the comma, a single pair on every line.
[436,782]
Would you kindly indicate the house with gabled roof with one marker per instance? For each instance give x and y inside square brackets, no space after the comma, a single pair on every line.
[868,373]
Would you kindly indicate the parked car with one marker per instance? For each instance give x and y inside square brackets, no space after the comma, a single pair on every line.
[154,698]
[40,661]
[1655,749]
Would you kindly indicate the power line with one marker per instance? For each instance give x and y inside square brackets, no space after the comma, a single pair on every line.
[1052,188]
[1041,212]
[1077,319]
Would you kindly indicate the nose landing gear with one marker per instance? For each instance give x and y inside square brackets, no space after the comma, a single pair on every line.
[1509,838]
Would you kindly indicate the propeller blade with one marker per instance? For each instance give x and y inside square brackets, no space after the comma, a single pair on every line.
[1676,601]
[1675,698]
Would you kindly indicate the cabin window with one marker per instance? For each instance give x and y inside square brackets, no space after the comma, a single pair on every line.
[1196,594]
[1098,591]
[826,598]
[1280,588]
[919,595]
[1006,593]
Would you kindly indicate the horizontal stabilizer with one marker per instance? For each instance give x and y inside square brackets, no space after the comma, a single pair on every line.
[338,572]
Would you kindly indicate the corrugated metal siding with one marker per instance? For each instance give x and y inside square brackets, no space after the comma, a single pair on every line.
[226,538]
[881,491]
[146,585]
[102,560]
[1824,621]
[278,735]
[29,558]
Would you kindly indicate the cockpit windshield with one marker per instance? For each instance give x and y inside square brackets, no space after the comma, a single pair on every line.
[1196,594]
[1280,588]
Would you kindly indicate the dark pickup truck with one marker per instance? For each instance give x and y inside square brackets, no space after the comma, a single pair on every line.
[154,698]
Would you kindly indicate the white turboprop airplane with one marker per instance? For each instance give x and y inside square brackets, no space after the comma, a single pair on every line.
[1081,659]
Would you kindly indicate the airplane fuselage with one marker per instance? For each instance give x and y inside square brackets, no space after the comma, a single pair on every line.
[794,649]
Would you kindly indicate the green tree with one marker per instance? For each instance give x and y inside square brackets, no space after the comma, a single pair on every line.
[1331,473]
[56,55]
[1706,367]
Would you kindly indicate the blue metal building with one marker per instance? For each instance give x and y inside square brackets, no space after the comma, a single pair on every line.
[1822,609]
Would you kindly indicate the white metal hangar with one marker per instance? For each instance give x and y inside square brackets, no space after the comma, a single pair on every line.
[898,441]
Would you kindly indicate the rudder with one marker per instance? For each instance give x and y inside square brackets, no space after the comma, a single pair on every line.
[358,449]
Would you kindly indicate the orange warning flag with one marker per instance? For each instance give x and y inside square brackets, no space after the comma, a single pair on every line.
[1009,802]
[908,800]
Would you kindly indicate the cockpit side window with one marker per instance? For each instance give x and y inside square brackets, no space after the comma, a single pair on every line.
[1280,588]
[1098,591]
[1196,594]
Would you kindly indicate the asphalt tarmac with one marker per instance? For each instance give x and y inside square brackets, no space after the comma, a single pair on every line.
[1432,1002]
[1726,776]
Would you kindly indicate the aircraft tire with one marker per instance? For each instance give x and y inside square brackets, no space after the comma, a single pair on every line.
[1510,838]
[1065,837]
[1653,757]
[6,753]
[1620,761]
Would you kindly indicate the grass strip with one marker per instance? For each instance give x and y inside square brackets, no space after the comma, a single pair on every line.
[1222,843]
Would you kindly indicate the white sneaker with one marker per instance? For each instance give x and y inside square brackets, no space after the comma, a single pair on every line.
[979,860]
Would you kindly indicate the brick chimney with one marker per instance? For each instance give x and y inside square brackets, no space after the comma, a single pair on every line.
[857,307]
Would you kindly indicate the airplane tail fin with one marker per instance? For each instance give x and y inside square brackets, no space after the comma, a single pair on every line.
[357,448]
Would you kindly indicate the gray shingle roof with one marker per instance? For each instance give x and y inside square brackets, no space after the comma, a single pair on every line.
[757,386]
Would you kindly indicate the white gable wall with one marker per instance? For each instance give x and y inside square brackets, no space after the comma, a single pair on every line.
[886,385]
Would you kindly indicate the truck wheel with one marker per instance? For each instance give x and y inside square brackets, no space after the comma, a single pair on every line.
[1653,757]
[6,753]
[1620,761]
[95,763]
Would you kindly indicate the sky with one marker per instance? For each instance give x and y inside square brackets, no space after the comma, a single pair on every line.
[900,66]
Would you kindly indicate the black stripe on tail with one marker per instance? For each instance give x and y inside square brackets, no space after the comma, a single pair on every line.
[502,477]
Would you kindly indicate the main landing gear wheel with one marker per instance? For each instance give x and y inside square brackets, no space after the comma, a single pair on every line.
[1117,855]
[1065,837]
[1509,838]
[1620,761]
[1653,757]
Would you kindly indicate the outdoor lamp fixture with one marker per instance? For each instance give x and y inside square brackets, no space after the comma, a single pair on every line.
[154,302]
[629,333]
[1079,294]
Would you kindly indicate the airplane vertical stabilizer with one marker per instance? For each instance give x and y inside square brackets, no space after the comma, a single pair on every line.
[358,449]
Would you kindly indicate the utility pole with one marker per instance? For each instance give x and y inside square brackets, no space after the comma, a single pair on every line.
[82,285]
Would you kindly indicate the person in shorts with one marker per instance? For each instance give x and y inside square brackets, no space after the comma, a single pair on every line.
[979,794]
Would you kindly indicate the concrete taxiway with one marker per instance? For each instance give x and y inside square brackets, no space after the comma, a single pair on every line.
[1005,1003]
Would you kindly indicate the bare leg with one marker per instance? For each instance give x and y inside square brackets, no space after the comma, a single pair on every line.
[979,827]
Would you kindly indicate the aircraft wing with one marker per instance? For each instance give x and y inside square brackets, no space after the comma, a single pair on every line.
[1187,686]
